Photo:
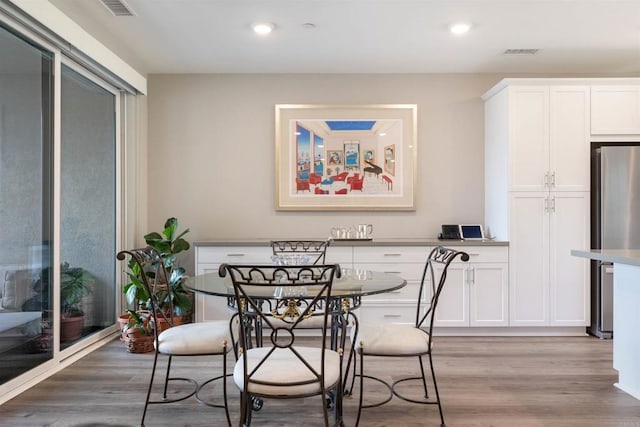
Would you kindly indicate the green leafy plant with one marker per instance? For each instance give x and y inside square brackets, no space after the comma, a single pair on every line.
[75,283]
[168,243]
[139,321]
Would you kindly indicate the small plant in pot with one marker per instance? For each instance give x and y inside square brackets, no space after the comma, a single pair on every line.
[138,334]
[75,283]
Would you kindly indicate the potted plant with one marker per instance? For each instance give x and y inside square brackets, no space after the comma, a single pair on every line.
[75,283]
[138,334]
[168,244]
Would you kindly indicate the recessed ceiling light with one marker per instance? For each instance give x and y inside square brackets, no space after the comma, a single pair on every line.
[309,25]
[460,28]
[263,28]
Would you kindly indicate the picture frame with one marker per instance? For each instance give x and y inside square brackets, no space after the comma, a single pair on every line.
[325,157]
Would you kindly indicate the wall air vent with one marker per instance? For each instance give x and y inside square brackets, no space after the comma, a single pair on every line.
[118,7]
[520,51]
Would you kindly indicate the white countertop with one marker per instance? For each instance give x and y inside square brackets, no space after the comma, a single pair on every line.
[619,256]
[356,242]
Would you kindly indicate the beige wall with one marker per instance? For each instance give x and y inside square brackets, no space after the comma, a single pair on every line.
[211,151]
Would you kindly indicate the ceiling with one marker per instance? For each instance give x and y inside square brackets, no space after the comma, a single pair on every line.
[600,37]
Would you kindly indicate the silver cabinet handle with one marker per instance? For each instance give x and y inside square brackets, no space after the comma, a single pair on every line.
[392,254]
[391,272]
[235,255]
[391,315]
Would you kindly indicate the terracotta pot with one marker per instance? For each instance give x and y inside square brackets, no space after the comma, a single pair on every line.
[71,327]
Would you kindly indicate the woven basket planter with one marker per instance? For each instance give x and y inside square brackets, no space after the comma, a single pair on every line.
[136,342]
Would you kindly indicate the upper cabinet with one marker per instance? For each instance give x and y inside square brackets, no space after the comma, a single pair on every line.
[615,110]
[548,138]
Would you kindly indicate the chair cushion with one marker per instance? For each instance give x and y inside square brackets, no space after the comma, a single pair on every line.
[284,367]
[391,339]
[195,338]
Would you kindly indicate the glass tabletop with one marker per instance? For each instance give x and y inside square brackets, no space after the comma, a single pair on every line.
[354,282]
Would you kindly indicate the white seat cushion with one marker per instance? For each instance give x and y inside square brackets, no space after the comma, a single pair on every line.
[284,368]
[391,339]
[195,338]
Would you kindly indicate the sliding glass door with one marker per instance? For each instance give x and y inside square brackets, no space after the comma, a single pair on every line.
[26,235]
[59,209]
[87,205]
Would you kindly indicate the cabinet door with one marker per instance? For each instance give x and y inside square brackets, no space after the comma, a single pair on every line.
[569,142]
[569,275]
[488,294]
[528,138]
[209,307]
[615,110]
[529,260]
[453,305]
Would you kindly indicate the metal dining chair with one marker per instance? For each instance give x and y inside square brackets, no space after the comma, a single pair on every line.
[405,340]
[191,339]
[281,368]
[315,250]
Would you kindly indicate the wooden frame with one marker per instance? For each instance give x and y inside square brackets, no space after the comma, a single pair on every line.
[310,135]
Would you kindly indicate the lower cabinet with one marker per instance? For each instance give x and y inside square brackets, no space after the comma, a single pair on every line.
[208,259]
[407,262]
[476,292]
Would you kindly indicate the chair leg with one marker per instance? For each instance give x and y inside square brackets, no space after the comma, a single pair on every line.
[424,379]
[360,399]
[224,385]
[435,387]
[166,378]
[146,402]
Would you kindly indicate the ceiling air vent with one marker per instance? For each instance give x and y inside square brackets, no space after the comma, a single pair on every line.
[521,51]
[118,7]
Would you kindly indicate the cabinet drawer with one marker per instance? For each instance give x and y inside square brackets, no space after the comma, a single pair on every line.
[391,254]
[234,254]
[394,313]
[485,254]
[409,272]
[407,294]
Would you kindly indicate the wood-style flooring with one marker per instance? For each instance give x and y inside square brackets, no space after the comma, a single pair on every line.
[489,381]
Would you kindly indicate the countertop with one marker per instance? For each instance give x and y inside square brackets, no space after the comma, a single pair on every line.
[620,256]
[358,242]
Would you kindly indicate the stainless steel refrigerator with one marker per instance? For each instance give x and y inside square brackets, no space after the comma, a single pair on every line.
[615,221]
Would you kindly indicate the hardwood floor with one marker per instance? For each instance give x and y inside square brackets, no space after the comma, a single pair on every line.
[489,381]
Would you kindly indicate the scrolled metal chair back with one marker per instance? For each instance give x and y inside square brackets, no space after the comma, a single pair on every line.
[154,278]
[435,273]
[316,249]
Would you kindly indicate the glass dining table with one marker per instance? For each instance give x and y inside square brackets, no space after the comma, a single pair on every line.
[346,294]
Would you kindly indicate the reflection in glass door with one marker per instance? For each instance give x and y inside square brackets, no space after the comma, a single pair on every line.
[26,75]
[88,207]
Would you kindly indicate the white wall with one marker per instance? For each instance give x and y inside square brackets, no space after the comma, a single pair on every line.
[211,151]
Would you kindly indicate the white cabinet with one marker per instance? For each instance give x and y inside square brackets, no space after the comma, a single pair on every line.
[548,287]
[548,131]
[476,292]
[208,259]
[615,110]
[537,158]
[406,261]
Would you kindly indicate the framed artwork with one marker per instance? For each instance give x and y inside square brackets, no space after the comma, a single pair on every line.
[335,157]
[390,159]
[368,156]
[352,155]
[325,157]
